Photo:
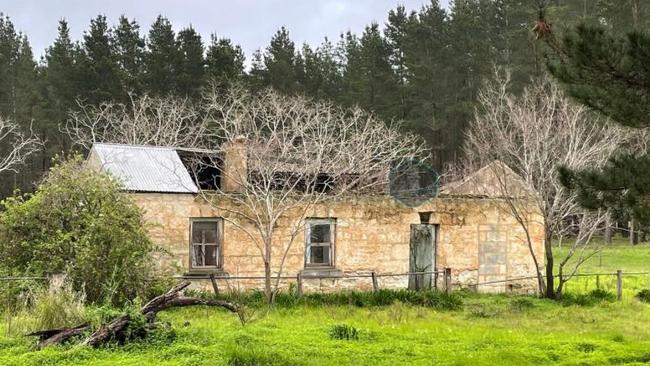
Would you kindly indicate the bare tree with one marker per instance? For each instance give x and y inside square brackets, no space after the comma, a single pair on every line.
[16,145]
[534,134]
[294,154]
[145,120]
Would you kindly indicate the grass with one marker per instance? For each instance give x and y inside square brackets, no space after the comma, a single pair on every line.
[385,329]
[619,255]
[490,330]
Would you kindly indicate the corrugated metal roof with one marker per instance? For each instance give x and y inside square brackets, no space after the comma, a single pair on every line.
[145,168]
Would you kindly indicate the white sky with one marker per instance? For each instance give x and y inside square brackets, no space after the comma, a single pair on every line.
[248,23]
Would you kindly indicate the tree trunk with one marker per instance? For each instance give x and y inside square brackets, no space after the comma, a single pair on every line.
[550,283]
[268,291]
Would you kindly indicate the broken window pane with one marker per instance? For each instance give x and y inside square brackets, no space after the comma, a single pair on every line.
[320,233]
[320,255]
[210,255]
[198,255]
[206,242]
[319,242]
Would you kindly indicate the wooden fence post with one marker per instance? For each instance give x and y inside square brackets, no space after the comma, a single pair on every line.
[375,284]
[299,284]
[447,279]
[215,287]
[619,285]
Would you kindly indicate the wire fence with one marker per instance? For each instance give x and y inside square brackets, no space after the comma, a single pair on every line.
[619,277]
[441,279]
[300,278]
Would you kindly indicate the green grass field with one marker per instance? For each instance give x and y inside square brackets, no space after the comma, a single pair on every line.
[488,330]
[619,255]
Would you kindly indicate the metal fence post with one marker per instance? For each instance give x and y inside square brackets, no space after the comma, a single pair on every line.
[375,284]
[447,279]
[619,285]
[299,284]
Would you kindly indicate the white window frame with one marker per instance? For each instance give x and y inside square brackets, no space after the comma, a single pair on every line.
[308,244]
[218,246]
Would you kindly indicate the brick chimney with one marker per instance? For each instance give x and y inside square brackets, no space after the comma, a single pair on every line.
[235,165]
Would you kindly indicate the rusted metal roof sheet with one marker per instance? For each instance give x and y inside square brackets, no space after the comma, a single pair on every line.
[145,168]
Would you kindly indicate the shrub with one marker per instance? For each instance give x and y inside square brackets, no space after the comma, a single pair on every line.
[78,223]
[644,295]
[47,308]
[344,332]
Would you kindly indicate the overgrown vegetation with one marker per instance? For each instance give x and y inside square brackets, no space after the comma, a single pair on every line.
[432,299]
[601,334]
[79,224]
[46,308]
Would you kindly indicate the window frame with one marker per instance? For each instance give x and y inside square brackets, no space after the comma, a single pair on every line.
[332,244]
[219,244]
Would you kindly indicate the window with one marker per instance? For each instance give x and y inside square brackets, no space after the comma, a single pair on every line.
[205,246]
[319,242]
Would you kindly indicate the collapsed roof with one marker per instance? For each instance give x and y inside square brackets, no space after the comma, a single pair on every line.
[162,170]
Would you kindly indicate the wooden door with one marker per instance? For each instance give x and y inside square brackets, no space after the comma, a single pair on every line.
[422,254]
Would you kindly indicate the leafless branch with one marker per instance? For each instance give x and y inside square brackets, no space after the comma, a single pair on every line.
[299,153]
[16,145]
[534,134]
[159,121]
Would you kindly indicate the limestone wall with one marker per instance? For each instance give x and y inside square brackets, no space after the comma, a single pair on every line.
[477,238]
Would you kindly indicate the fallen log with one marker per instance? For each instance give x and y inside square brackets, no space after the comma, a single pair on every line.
[113,330]
[117,328]
[58,336]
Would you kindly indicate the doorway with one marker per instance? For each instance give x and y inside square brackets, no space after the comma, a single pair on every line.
[422,256]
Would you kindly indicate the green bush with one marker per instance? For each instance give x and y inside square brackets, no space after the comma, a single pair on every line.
[644,295]
[78,223]
[344,332]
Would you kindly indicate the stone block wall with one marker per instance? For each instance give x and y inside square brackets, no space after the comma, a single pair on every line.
[477,238]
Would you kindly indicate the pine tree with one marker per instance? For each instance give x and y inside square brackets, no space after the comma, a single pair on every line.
[396,32]
[98,63]
[192,71]
[609,74]
[9,48]
[282,64]
[129,48]
[323,78]
[224,61]
[370,81]
[163,59]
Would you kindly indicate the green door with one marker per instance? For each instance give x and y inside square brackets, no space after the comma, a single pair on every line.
[422,256]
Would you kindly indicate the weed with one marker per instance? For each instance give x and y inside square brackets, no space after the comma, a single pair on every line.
[521,304]
[586,347]
[644,295]
[484,311]
[344,332]
[589,299]
[55,307]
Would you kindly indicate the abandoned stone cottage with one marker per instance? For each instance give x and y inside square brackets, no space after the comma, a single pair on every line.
[467,227]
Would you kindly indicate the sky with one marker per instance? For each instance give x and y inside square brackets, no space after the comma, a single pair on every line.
[247,22]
